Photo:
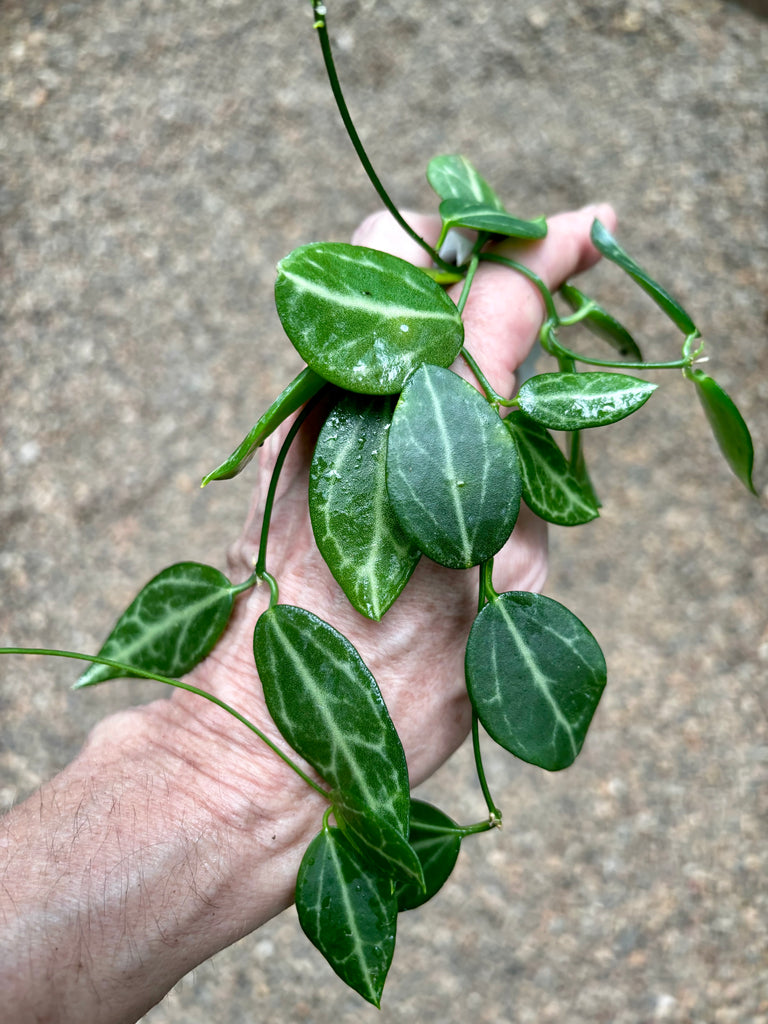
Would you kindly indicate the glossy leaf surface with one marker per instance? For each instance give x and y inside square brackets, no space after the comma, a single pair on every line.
[573,401]
[435,838]
[354,524]
[364,319]
[327,705]
[452,470]
[348,912]
[728,426]
[481,217]
[454,177]
[534,675]
[385,847]
[606,244]
[602,324]
[299,391]
[550,489]
[170,626]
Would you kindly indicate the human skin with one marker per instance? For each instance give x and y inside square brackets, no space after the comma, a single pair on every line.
[175,831]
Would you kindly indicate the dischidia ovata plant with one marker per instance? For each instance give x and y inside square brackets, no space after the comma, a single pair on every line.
[414,461]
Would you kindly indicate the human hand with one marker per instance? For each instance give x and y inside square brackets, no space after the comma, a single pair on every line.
[416,653]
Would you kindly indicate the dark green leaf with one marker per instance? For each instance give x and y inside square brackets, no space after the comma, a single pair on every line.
[299,391]
[573,401]
[454,177]
[170,626]
[436,839]
[452,470]
[549,486]
[385,847]
[364,319]
[605,243]
[327,705]
[348,912]
[354,524]
[481,217]
[534,675]
[602,324]
[728,426]
[577,464]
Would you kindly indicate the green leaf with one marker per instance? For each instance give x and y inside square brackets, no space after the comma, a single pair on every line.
[354,524]
[170,626]
[481,217]
[601,323]
[327,705]
[385,847]
[606,244]
[550,489]
[436,839]
[454,177]
[573,401]
[299,391]
[348,912]
[364,319]
[577,464]
[534,675]
[452,470]
[728,426]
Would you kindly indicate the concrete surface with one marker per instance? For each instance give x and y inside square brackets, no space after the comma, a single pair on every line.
[156,160]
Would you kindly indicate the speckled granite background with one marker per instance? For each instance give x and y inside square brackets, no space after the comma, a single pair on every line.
[156,160]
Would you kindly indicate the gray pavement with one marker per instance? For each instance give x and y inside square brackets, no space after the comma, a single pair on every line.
[156,160]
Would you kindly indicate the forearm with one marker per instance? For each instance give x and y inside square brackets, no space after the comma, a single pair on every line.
[115,879]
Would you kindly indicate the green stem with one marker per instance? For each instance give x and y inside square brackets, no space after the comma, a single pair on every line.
[261,561]
[333,79]
[493,811]
[130,670]
[546,294]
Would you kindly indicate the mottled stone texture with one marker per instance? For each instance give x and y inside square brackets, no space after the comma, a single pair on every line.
[156,160]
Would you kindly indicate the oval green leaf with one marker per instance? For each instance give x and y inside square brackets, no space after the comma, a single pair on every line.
[535,675]
[327,705]
[550,489]
[452,470]
[353,521]
[383,846]
[436,839]
[454,177]
[300,390]
[170,626]
[573,401]
[480,217]
[363,319]
[347,911]
[602,324]
[606,244]
[728,426]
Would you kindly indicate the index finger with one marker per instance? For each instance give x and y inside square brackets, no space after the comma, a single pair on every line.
[504,310]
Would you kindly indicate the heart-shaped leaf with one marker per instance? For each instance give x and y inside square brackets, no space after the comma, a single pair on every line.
[454,177]
[606,244]
[348,911]
[354,524]
[436,839]
[602,324]
[299,391]
[457,213]
[728,426]
[327,705]
[452,470]
[573,401]
[171,624]
[364,319]
[534,675]
[550,489]
[385,847]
